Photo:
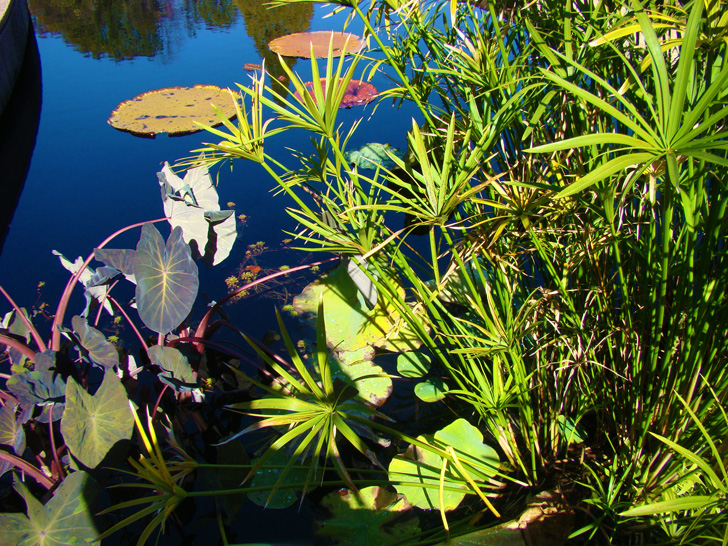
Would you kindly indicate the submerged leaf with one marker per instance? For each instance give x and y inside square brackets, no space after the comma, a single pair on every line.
[373,155]
[92,425]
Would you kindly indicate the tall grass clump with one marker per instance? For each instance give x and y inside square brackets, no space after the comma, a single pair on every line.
[564,255]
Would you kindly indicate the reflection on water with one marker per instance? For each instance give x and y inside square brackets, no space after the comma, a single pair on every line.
[18,130]
[124,29]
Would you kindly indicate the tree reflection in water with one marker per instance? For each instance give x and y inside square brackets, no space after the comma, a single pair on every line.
[125,29]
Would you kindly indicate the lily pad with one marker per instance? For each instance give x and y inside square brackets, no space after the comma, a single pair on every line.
[97,349]
[91,425]
[269,478]
[350,324]
[413,364]
[173,110]
[373,384]
[432,390]
[358,93]
[167,280]
[375,516]
[67,518]
[300,44]
[373,155]
[417,474]
[192,204]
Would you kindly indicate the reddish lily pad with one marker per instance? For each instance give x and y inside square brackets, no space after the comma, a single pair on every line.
[300,44]
[358,93]
[173,110]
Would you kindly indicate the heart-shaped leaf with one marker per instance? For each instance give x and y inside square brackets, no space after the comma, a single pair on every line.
[192,204]
[91,293]
[121,260]
[432,390]
[374,516]
[11,431]
[417,474]
[174,363]
[100,351]
[65,519]
[37,388]
[167,280]
[91,425]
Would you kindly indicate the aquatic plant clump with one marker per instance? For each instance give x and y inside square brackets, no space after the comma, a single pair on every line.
[172,110]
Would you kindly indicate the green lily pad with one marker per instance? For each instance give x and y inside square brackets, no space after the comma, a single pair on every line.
[172,110]
[350,324]
[417,474]
[98,349]
[269,478]
[67,518]
[167,280]
[91,425]
[375,516]
[432,390]
[373,155]
[373,384]
[413,364]
[192,204]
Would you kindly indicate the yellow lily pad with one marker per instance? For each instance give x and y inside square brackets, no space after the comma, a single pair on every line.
[299,44]
[172,110]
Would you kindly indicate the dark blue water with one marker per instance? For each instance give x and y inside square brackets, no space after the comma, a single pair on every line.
[87,180]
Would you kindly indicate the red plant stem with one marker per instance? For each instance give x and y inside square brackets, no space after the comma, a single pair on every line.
[63,303]
[159,400]
[18,346]
[133,326]
[61,474]
[33,332]
[202,327]
[28,468]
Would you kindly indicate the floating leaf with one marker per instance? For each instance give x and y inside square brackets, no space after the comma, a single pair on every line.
[374,516]
[413,364]
[432,390]
[357,93]
[373,384]
[166,278]
[193,205]
[67,518]
[268,478]
[373,155]
[173,110]
[91,425]
[417,474]
[300,44]
[350,325]
[99,350]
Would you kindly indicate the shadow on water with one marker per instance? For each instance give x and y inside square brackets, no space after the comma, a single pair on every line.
[18,130]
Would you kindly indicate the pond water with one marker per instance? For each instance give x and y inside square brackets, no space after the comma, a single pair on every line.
[87,180]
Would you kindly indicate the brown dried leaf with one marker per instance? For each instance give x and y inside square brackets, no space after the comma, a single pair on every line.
[299,44]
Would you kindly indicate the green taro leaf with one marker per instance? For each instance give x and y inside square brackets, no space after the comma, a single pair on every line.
[11,431]
[167,280]
[175,364]
[91,425]
[38,388]
[100,352]
[417,474]
[66,519]
[192,204]
[413,364]
[121,260]
[375,516]
[432,390]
